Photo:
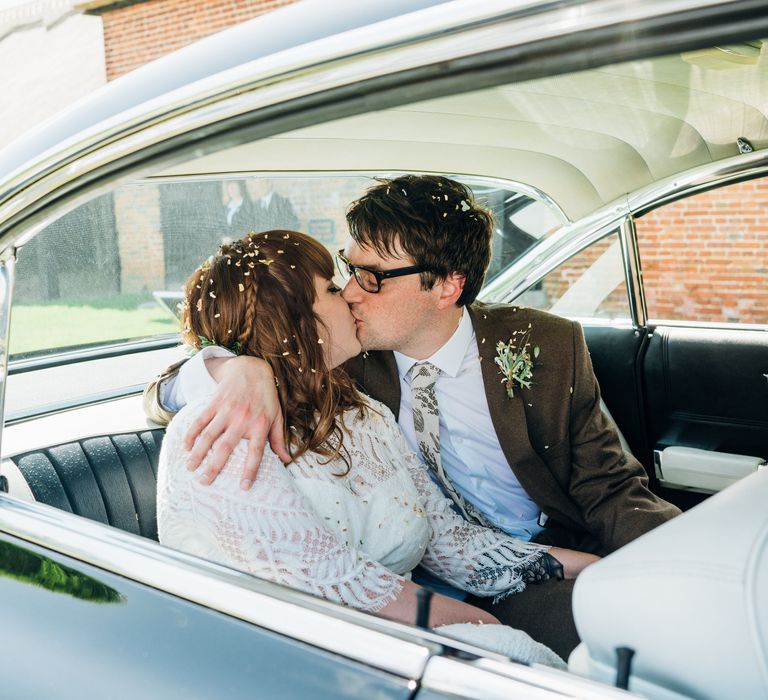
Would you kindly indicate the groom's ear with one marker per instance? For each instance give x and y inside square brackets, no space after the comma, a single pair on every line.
[450,290]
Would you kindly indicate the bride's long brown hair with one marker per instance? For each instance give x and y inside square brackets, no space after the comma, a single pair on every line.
[255,297]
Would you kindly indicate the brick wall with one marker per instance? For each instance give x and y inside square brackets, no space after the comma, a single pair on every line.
[705,258]
[143,31]
[139,238]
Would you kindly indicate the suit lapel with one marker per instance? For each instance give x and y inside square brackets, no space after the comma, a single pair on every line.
[381,379]
[507,414]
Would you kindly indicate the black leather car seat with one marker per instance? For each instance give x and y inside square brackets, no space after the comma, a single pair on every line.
[111,478]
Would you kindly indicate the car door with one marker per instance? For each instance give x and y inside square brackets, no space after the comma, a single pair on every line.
[72,630]
[705,369]
[674,305]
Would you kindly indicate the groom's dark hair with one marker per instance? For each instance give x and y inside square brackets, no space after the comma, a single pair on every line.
[435,220]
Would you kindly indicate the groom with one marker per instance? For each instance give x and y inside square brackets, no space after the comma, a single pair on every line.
[523,446]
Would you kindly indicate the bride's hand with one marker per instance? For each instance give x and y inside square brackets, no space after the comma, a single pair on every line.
[245,407]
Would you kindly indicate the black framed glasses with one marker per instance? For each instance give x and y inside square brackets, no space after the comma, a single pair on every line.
[370,280]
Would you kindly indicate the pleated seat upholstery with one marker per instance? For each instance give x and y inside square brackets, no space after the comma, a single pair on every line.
[110,478]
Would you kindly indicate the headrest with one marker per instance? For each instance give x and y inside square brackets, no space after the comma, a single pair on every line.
[690,598]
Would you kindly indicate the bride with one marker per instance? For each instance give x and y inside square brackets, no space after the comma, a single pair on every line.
[355,510]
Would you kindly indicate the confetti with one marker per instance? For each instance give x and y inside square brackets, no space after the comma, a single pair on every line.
[320,341]
[212,295]
[216,315]
[241,287]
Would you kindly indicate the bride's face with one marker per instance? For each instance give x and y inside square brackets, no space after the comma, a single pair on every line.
[337,330]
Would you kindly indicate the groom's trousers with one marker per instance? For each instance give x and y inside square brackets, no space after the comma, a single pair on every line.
[545,610]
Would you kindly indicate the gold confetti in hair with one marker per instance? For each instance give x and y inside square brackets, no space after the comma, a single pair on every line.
[266,311]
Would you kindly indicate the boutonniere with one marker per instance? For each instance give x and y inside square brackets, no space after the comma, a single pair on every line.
[515,359]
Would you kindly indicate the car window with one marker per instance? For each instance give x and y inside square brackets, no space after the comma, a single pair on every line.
[705,258]
[589,286]
[113,269]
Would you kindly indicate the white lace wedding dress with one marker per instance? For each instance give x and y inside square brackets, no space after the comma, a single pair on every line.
[351,538]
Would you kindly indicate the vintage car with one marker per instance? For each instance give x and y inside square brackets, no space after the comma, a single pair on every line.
[622,146]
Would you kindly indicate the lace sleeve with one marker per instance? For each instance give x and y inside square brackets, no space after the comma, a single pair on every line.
[476,559]
[270,531]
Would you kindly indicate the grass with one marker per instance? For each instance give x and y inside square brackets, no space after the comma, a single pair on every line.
[68,323]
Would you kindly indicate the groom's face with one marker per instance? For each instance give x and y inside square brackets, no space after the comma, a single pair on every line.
[396,318]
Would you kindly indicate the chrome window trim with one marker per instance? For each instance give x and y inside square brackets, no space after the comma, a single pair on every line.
[535,264]
[55,408]
[718,174]
[654,323]
[485,679]
[632,272]
[551,252]
[119,348]
[7,272]
[512,185]
[379,643]
[377,51]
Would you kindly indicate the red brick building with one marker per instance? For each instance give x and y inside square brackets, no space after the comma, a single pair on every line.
[139,31]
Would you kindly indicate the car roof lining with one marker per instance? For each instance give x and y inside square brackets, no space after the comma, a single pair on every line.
[584,138]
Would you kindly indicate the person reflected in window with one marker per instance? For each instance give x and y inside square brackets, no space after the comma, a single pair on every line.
[268,209]
[237,216]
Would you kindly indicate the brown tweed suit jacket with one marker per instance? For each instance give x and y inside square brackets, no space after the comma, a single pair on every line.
[563,450]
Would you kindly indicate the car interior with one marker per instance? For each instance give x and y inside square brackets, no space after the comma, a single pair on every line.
[575,167]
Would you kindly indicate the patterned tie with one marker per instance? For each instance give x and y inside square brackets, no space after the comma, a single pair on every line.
[426,421]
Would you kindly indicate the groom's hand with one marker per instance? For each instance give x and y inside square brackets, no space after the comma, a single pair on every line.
[245,407]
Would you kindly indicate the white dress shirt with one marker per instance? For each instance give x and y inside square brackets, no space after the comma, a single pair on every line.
[469,449]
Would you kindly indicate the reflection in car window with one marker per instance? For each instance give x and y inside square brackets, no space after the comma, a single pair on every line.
[705,258]
[113,268]
[589,286]
[521,221]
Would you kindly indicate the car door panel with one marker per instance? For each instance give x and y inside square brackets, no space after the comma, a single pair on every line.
[708,389]
[71,630]
[616,353]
